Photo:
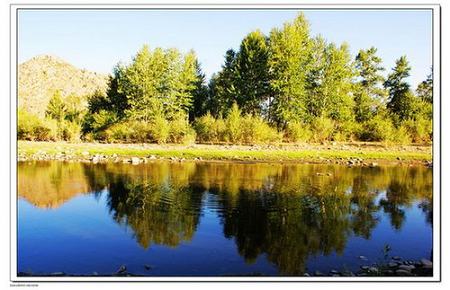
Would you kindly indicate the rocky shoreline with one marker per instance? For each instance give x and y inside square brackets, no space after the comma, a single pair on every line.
[396,267]
[87,157]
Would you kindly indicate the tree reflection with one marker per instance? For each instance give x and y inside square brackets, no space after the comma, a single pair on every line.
[286,212]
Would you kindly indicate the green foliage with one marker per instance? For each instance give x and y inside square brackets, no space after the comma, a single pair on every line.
[425,89]
[210,129]
[322,129]
[255,131]
[56,108]
[31,127]
[233,123]
[420,129]
[369,96]
[181,131]
[379,128]
[160,129]
[298,132]
[290,50]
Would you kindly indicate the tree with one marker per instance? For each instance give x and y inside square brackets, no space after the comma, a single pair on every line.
[223,85]
[401,99]
[157,83]
[200,95]
[369,95]
[425,89]
[252,73]
[290,50]
[328,82]
[56,108]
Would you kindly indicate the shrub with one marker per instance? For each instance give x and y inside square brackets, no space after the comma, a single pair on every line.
[298,132]
[31,127]
[181,131]
[347,131]
[402,136]
[255,130]
[233,124]
[68,131]
[322,129]
[379,128]
[421,129]
[160,129]
[209,129]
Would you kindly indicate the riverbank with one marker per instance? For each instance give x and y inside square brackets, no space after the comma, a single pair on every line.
[368,154]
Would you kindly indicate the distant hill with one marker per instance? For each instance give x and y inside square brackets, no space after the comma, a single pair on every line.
[42,75]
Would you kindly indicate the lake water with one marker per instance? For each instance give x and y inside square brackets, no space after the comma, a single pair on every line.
[214,219]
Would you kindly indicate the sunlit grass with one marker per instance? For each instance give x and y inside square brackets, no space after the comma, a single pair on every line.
[215,152]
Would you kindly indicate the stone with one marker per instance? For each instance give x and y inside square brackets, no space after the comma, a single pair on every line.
[373,269]
[392,264]
[122,269]
[318,273]
[365,268]
[135,160]
[306,275]
[334,272]
[58,274]
[426,263]
[152,157]
[363,258]
[406,267]
[401,272]
[373,164]
[95,159]
[396,258]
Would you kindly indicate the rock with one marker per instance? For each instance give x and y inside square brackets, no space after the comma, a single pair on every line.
[399,159]
[135,160]
[396,258]
[401,272]
[58,274]
[306,275]
[125,160]
[365,268]
[334,272]
[122,269]
[373,269]
[426,263]
[373,164]
[318,273]
[406,267]
[392,264]
[152,157]
[95,159]
[363,258]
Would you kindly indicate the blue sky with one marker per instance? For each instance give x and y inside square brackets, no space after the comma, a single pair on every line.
[98,39]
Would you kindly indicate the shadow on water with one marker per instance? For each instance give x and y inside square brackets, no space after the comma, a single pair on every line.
[287,213]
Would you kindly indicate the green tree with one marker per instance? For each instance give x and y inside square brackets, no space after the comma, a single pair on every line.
[401,99]
[425,89]
[290,49]
[201,103]
[329,82]
[369,95]
[252,73]
[56,108]
[223,85]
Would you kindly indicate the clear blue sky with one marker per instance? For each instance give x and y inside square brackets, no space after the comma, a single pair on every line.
[98,39]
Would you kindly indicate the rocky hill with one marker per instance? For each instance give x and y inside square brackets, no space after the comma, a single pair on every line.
[42,75]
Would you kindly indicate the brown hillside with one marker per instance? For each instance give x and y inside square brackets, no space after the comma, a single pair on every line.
[42,75]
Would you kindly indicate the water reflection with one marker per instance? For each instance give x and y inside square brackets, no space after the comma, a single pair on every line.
[288,213]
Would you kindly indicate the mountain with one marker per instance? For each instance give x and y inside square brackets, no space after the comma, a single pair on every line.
[42,75]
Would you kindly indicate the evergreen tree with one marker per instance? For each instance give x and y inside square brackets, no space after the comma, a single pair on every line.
[401,99]
[201,103]
[425,89]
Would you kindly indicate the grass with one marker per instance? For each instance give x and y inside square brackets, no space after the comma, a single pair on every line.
[216,152]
